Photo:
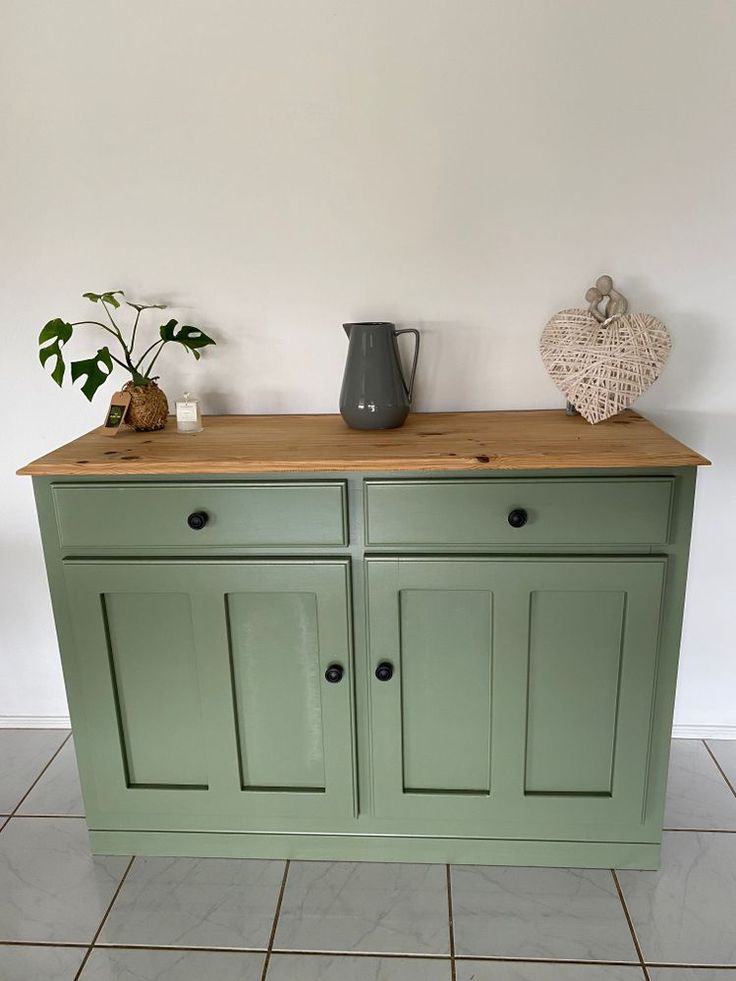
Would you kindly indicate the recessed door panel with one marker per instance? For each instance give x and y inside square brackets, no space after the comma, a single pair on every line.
[274,647]
[446,660]
[575,650]
[154,672]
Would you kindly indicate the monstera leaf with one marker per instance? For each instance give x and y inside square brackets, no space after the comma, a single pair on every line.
[189,337]
[91,368]
[108,297]
[54,336]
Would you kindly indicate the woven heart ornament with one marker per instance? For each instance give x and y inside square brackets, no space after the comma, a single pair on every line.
[603,368]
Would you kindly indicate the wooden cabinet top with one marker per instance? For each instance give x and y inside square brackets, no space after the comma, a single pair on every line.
[462,441]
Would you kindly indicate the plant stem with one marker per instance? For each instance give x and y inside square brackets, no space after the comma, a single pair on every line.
[153,360]
[135,328]
[114,325]
[79,323]
[119,335]
[118,361]
[145,353]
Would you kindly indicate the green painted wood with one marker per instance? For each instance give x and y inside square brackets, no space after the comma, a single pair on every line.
[562,511]
[153,517]
[228,801]
[446,656]
[513,587]
[383,848]
[576,645]
[358,825]
[151,650]
[663,694]
[274,646]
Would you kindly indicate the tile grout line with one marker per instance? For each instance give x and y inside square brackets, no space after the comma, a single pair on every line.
[98,931]
[702,831]
[491,958]
[274,925]
[393,955]
[677,966]
[451,924]
[191,948]
[14,812]
[286,952]
[74,945]
[530,959]
[720,768]
[634,937]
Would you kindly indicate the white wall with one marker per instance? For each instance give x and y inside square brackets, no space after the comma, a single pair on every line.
[276,168]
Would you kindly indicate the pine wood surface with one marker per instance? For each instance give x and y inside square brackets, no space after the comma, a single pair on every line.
[455,441]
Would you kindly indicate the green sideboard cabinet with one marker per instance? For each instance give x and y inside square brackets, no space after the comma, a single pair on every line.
[287,639]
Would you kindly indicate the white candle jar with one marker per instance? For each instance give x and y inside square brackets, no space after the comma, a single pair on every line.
[188,415]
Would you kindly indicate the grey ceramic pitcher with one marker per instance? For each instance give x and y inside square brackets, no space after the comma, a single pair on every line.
[374,392]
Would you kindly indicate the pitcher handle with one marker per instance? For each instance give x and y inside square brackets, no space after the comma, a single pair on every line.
[410,387]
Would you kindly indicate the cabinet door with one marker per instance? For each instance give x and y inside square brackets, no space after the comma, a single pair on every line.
[205,703]
[522,693]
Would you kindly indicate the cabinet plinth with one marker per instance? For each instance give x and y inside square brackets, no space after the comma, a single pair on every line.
[373,664]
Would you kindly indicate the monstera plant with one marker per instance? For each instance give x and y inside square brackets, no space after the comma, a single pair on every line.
[148,406]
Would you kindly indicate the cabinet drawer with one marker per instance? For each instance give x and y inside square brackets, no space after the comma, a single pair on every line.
[559,511]
[154,517]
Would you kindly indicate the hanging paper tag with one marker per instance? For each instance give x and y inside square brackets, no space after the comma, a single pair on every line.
[116,413]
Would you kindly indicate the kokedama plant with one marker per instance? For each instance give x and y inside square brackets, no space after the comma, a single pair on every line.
[148,407]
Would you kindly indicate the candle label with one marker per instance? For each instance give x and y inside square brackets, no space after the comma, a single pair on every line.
[186,411]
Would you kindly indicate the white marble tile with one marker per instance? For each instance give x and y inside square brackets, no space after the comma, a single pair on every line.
[525,971]
[724,751]
[697,795]
[51,887]
[171,965]
[58,791]
[207,902]
[686,912]
[691,974]
[534,912]
[23,755]
[364,906]
[320,967]
[40,963]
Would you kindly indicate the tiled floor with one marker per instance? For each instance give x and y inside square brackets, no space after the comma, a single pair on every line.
[65,915]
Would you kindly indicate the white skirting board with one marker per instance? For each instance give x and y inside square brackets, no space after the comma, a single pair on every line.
[62,722]
[35,722]
[703,732]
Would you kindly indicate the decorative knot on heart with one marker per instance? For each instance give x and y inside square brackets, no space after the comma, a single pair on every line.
[603,358]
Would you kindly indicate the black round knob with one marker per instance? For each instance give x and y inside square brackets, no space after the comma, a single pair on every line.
[197,520]
[334,673]
[385,671]
[518,518]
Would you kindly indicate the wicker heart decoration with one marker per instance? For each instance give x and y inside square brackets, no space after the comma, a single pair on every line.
[603,368]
